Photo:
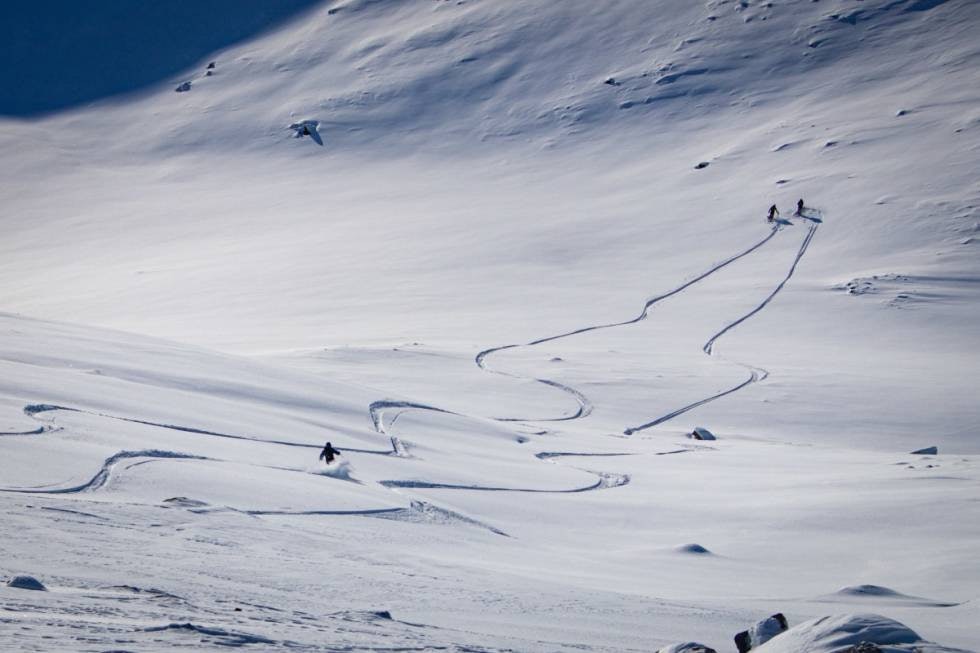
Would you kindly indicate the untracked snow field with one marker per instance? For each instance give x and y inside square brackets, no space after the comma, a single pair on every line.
[506,256]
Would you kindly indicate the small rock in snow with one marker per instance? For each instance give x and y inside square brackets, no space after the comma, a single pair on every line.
[183,88]
[701,433]
[928,451]
[702,165]
[27,583]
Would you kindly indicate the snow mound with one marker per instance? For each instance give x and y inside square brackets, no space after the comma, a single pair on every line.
[867,590]
[877,593]
[693,548]
[844,633]
[27,583]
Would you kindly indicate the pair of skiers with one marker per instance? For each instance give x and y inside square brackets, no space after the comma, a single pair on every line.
[774,212]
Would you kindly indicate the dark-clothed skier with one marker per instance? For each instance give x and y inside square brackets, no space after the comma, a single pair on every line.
[799,207]
[328,453]
[773,213]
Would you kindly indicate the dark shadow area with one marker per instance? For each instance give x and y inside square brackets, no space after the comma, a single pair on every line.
[58,54]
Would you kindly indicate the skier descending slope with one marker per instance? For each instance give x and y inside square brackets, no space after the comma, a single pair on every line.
[328,453]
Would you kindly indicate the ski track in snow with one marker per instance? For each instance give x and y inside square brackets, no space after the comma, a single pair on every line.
[34,409]
[585,406]
[102,476]
[605,479]
[756,374]
[417,512]
[37,431]
[420,510]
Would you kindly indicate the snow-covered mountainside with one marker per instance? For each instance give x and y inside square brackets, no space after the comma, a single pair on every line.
[505,255]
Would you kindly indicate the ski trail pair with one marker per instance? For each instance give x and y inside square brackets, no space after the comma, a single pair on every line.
[585,406]
[755,373]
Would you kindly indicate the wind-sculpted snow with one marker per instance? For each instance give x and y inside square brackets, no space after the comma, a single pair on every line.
[209,635]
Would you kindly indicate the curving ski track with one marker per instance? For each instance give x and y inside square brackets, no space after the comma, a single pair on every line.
[102,476]
[34,409]
[37,431]
[422,510]
[755,373]
[377,411]
[606,480]
[584,405]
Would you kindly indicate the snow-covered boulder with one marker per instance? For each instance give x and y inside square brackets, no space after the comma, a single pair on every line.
[687,647]
[760,633]
[851,633]
[27,583]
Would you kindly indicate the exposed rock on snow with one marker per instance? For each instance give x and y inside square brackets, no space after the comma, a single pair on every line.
[928,451]
[27,583]
[852,633]
[183,88]
[701,433]
[761,633]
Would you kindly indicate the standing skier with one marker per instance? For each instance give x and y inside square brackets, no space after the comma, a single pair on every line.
[328,453]
[799,208]
[773,213]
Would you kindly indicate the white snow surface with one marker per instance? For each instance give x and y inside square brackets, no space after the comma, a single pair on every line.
[506,289]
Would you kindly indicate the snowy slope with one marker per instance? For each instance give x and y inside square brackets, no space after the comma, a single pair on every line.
[505,286]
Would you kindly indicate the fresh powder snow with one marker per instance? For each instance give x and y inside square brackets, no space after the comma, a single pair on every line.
[512,259]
